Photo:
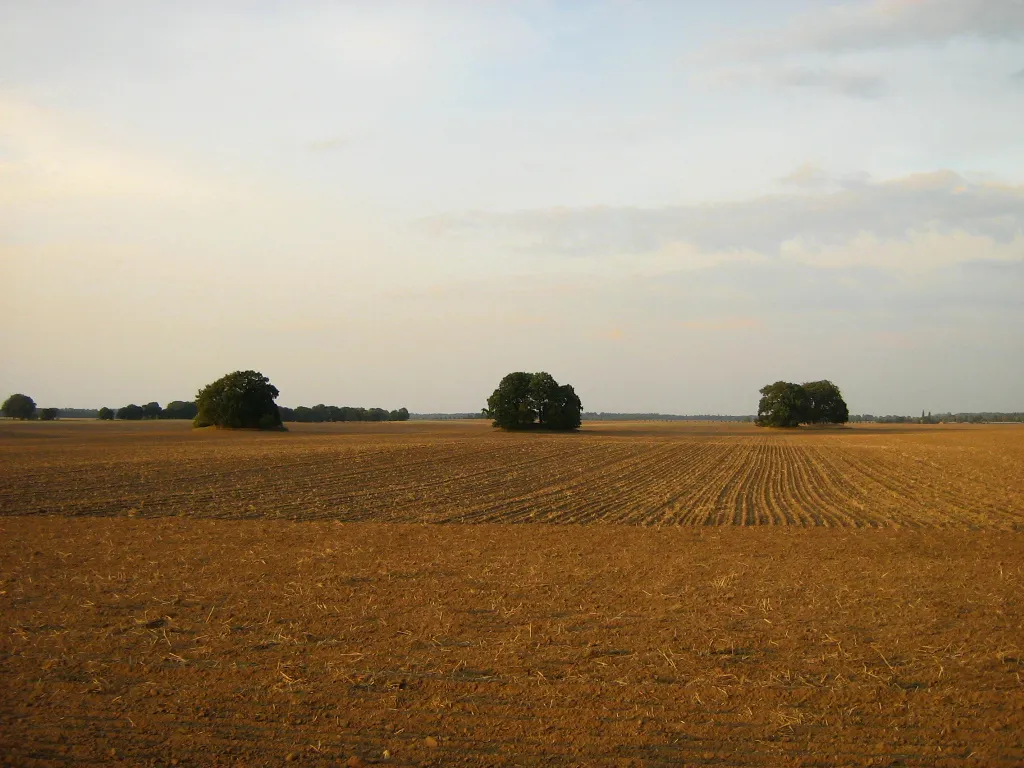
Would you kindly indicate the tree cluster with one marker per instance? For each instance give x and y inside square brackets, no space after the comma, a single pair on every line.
[239,400]
[784,404]
[176,409]
[19,406]
[324,413]
[614,416]
[974,417]
[534,400]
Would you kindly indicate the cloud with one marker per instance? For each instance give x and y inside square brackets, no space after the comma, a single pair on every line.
[915,252]
[921,219]
[847,83]
[806,52]
[842,81]
[885,24]
[811,176]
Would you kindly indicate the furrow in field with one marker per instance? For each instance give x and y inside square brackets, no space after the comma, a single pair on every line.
[476,502]
[800,499]
[583,497]
[823,504]
[704,503]
[728,506]
[676,506]
[878,472]
[394,494]
[797,506]
[538,493]
[689,470]
[765,489]
[638,494]
[832,464]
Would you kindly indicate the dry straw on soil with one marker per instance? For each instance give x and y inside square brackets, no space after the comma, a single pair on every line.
[856,603]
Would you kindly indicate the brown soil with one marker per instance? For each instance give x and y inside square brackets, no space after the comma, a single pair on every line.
[445,472]
[151,633]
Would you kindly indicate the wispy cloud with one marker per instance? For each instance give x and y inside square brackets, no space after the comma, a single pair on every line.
[935,217]
[884,24]
[812,177]
[813,49]
[848,83]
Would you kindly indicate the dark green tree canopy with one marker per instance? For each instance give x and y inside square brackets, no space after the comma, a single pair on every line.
[239,400]
[826,404]
[49,414]
[130,412]
[564,409]
[510,405]
[105,414]
[151,411]
[179,409]
[784,404]
[321,413]
[524,400]
[19,407]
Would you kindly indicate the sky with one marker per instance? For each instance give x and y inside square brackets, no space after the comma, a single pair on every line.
[666,204]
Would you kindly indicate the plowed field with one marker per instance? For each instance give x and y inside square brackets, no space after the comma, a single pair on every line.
[817,598]
[642,474]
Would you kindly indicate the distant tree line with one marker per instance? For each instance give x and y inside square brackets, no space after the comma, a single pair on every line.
[784,404]
[176,409]
[324,413]
[23,407]
[603,416]
[981,417]
[79,413]
[447,416]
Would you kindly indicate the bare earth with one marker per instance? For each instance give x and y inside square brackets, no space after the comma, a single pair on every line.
[736,598]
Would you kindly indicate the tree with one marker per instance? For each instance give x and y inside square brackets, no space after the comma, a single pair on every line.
[105,414]
[131,412]
[826,404]
[178,409]
[151,411]
[783,404]
[402,414]
[19,407]
[523,399]
[239,400]
[378,414]
[49,414]
[543,394]
[564,409]
[511,404]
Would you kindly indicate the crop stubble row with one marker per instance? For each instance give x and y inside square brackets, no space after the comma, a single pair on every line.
[466,473]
